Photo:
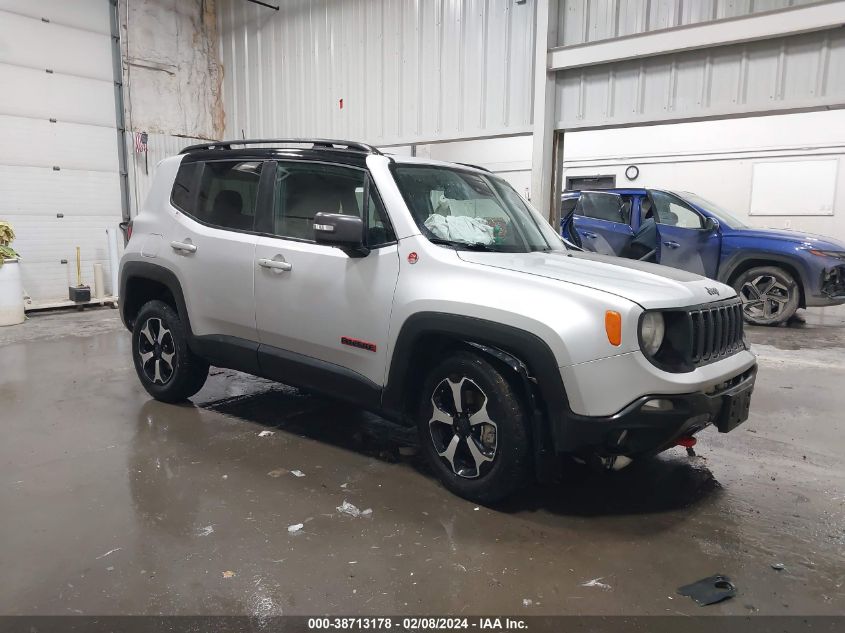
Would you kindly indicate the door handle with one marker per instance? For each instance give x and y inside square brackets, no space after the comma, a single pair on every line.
[274,265]
[671,244]
[590,235]
[183,246]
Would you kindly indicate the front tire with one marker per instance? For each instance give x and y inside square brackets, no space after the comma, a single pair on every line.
[167,368]
[769,295]
[473,429]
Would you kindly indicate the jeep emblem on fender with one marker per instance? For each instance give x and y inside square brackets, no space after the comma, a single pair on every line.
[711,291]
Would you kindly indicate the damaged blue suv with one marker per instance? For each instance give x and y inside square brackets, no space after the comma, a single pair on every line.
[774,272]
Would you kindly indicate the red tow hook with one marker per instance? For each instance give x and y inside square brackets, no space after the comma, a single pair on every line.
[688,443]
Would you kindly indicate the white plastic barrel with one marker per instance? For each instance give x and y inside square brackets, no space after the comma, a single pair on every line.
[11,293]
[99,289]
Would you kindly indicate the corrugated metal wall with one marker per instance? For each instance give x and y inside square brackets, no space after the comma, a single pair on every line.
[804,71]
[582,21]
[406,70]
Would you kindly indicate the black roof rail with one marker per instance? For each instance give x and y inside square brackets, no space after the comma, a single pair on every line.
[316,143]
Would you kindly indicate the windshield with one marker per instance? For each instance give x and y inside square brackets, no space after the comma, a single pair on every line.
[714,209]
[469,210]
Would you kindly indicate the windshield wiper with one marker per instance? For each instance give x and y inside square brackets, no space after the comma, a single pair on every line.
[470,246]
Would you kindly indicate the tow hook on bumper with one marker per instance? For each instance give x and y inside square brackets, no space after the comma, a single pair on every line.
[688,443]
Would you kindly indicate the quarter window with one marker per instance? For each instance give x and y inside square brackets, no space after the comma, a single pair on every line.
[379,230]
[183,195]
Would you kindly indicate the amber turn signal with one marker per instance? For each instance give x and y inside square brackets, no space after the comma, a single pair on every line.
[613,327]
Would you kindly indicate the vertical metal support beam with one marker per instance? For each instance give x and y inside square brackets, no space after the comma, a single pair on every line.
[119,113]
[544,109]
[557,179]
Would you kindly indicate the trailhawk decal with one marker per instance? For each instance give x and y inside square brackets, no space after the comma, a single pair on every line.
[355,342]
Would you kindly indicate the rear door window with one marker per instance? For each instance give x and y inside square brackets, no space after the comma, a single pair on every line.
[227,194]
[220,193]
[604,206]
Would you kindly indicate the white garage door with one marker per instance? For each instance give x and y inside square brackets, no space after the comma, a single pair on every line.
[59,184]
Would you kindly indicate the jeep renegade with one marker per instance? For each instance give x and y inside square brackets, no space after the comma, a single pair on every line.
[432,294]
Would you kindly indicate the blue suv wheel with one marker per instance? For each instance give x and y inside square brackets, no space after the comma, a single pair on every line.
[769,295]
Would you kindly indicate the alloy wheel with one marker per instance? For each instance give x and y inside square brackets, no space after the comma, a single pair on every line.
[157,351]
[764,297]
[460,426]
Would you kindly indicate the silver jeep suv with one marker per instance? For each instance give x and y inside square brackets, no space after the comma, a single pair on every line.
[432,294]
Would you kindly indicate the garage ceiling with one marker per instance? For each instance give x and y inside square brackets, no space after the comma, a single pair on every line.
[790,73]
[667,61]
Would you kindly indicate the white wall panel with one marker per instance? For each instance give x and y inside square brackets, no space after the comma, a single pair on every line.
[89,15]
[583,21]
[42,191]
[35,142]
[407,71]
[67,98]
[29,42]
[797,72]
[794,187]
[44,241]
[53,211]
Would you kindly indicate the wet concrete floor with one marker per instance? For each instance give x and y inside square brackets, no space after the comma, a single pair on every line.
[111,503]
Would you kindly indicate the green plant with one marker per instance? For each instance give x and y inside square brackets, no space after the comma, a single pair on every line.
[7,236]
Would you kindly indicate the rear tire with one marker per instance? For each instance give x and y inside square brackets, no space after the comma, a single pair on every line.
[481,452]
[167,368]
[770,295]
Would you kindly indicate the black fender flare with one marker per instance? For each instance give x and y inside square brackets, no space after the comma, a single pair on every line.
[526,354]
[159,274]
[541,437]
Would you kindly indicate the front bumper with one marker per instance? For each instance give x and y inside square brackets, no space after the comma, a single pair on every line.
[832,288]
[638,430]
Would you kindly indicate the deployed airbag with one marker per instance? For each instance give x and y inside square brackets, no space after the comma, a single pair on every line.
[460,228]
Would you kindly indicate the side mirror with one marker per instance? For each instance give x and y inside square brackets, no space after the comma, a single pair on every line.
[344,231]
[711,224]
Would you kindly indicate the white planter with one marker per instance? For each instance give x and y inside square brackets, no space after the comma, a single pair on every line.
[11,293]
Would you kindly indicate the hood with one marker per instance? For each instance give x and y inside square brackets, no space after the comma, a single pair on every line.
[649,285]
[799,237]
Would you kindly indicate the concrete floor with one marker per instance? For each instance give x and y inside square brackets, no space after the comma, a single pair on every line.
[112,503]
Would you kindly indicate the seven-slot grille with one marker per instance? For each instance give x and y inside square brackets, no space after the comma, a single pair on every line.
[716,332]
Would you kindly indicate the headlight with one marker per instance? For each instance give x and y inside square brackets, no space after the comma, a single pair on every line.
[836,254]
[652,329]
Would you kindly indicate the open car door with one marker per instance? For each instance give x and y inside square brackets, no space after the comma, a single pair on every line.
[601,222]
[686,239]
